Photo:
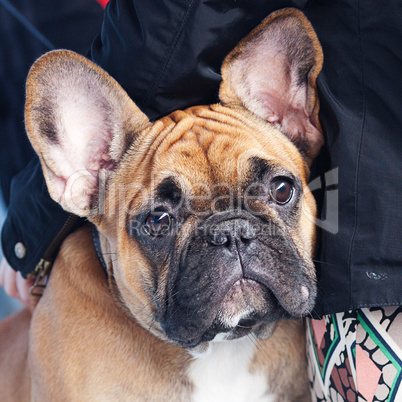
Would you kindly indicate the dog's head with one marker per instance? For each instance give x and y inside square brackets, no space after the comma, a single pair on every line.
[207,208]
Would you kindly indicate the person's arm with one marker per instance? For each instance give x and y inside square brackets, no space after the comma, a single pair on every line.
[34,227]
[33,221]
[15,285]
[29,31]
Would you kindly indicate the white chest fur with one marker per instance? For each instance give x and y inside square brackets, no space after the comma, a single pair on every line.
[223,375]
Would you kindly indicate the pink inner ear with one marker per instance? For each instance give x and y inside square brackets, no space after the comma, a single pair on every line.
[293,118]
[288,111]
[274,108]
[269,74]
[272,84]
[82,149]
[271,91]
[106,162]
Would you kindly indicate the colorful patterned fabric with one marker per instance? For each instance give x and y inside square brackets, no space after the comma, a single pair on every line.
[356,356]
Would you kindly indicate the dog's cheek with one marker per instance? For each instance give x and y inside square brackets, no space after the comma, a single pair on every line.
[307,225]
[133,279]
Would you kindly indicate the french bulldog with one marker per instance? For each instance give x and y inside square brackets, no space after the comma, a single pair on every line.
[202,220]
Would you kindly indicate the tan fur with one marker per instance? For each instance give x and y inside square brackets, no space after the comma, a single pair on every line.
[97,338]
[15,384]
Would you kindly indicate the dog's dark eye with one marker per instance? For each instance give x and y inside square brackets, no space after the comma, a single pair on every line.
[158,223]
[281,190]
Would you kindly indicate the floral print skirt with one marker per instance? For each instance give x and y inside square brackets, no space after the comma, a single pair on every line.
[356,356]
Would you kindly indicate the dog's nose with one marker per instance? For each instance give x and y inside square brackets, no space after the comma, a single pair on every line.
[227,232]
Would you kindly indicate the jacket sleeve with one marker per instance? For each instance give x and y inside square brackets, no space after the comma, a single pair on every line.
[33,220]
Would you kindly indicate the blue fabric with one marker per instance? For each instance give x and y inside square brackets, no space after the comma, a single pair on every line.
[7,304]
[29,29]
[15,13]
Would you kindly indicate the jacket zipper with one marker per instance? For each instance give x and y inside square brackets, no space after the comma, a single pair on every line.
[44,266]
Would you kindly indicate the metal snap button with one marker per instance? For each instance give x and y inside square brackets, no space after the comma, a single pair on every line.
[19,250]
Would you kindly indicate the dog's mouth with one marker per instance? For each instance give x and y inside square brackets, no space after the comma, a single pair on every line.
[248,307]
[246,303]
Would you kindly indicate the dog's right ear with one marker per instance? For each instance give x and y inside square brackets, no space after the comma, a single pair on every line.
[80,121]
[272,72]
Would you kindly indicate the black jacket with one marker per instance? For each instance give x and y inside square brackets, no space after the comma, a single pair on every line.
[167,56]
[29,28]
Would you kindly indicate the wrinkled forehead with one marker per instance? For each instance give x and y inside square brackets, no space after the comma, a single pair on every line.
[208,146]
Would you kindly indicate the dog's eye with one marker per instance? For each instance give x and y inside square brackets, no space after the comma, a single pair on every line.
[158,223]
[281,190]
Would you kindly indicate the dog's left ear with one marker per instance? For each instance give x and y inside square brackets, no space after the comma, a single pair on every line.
[272,73]
[80,123]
